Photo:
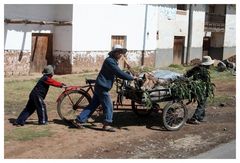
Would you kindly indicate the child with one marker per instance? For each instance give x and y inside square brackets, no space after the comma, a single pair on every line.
[37,96]
[200,72]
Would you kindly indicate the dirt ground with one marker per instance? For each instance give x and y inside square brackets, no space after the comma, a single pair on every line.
[135,137]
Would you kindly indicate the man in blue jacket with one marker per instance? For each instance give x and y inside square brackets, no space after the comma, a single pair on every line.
[104,83]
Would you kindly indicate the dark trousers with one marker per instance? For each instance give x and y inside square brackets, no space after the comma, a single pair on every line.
[100,97]
[199,113]
[35,102]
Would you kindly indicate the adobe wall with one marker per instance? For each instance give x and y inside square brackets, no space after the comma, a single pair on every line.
[67,62]
[16,62]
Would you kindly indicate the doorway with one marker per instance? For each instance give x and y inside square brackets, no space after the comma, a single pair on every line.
[206,45]
[41,52]
[178,50]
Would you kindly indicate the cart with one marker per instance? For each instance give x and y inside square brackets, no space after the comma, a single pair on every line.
[142,102]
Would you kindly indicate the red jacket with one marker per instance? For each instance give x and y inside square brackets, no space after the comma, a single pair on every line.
[42,86]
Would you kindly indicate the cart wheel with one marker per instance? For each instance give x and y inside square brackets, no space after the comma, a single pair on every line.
[174,115]
[141,110]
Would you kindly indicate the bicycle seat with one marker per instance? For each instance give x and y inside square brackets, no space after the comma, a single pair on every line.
[90,81]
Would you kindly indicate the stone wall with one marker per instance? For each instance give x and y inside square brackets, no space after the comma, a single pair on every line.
[16,62]
[67,62]
[88,61]
[92,60]
[62,61]
[134,58]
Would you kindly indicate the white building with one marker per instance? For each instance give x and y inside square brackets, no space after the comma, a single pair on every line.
[77,38]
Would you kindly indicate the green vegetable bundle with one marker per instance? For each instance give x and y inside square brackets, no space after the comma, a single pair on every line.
[191,89]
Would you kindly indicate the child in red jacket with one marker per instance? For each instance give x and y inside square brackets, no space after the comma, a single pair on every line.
[37,96]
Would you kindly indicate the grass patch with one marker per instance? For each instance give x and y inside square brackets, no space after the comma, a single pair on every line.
[16,92]
[221,99]
[178,67]
[223,76]
[25,134]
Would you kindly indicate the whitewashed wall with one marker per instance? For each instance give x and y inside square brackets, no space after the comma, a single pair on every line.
[198,25]
[230,27]
[166,26]
[230,32]
[62,37]
[95,24]
[18,36]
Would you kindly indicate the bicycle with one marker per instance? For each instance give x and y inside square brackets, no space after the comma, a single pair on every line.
[74,99]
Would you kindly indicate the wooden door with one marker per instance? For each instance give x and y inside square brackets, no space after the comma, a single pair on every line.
[178,50]
[41,51]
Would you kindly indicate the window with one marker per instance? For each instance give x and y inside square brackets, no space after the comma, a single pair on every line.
[182,7]
[121,40]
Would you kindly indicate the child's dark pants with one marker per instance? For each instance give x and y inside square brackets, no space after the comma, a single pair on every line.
[35,102]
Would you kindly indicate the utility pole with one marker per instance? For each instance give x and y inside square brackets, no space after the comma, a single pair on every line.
[144,35]
[189,40]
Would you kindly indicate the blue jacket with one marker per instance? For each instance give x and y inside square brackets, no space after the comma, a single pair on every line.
[108,72]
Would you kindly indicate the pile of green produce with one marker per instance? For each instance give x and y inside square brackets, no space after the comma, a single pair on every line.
[192,90]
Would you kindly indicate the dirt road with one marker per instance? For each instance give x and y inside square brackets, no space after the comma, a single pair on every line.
[135,137]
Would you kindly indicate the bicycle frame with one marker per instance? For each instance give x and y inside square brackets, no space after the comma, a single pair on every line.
[71,88]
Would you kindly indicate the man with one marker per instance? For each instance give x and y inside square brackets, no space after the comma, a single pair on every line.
[200,72]
[104,83]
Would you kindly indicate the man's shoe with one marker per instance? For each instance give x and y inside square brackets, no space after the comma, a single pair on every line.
[77,124]
[90,120]
[108,128]
[193,121]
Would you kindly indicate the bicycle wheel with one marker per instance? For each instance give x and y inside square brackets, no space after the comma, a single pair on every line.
[140,109]
[72,103]
[174,115]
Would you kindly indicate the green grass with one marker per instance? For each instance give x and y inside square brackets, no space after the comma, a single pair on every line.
[25,134]
[16,92]
[224,76]
[178,68]
[221,99]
